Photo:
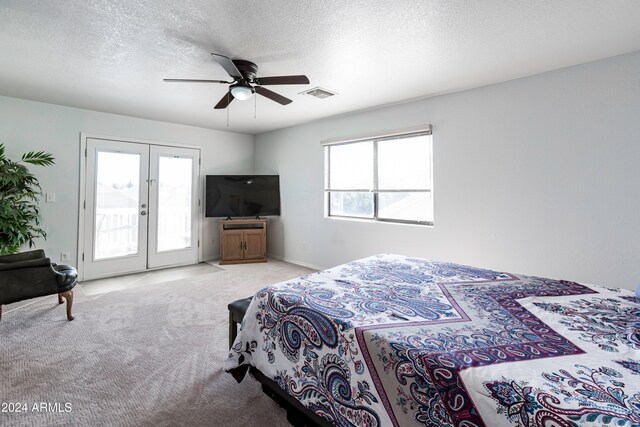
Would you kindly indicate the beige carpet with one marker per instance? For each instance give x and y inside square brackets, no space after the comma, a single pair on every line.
[150,355]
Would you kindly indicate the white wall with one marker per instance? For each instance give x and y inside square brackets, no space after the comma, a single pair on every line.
[539,176]
[28,125]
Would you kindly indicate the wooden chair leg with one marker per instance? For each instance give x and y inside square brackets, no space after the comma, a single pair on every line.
[68,295]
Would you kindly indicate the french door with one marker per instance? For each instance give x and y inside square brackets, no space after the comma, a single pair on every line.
[140,208]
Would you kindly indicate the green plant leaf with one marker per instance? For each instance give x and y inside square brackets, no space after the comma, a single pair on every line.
[19,197]
[39,158]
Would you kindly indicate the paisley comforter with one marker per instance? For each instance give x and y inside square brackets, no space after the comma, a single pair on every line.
[397,341]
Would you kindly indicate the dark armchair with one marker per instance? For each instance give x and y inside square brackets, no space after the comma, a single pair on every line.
[31,274]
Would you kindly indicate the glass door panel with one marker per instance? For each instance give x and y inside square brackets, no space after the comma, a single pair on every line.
[175,187]
[173,201]
[116,204]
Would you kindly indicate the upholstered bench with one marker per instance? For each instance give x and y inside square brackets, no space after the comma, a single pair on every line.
[237,310]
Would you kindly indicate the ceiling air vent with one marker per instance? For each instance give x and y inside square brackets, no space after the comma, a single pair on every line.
[318,92]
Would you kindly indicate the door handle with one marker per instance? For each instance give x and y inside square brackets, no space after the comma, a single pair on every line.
[143,213]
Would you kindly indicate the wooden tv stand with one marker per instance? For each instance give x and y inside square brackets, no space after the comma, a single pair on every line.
[243,240]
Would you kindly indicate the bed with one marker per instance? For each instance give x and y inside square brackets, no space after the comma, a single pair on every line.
[399,341]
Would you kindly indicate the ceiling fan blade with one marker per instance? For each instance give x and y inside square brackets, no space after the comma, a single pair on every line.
[273,96]
[195,81]
[283,80]
[228,65]
[225,101]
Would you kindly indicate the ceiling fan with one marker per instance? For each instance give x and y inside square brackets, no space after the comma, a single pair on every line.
[245,81]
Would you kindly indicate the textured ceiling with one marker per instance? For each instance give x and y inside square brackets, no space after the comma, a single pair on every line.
[112,55]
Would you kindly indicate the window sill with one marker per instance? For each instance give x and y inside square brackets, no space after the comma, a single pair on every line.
[381,221]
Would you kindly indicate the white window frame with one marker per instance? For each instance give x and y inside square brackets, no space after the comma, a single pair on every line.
[398,134]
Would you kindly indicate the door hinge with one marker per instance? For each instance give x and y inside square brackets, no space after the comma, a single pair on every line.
[85,152]
[198,243]
[198,202]
[83,257]
[84,205]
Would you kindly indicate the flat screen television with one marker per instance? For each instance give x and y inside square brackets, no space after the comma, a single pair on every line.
[242,195]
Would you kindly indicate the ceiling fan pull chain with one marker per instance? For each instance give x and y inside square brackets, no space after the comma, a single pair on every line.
[255,105]
[228,108]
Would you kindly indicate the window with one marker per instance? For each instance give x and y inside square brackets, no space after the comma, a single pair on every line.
[384,179]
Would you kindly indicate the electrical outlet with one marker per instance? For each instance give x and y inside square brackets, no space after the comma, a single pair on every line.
[64,256]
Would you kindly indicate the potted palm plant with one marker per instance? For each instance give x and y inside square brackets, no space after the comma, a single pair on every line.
[19,194]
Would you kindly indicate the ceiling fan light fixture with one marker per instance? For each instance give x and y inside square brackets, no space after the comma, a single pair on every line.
[241,92]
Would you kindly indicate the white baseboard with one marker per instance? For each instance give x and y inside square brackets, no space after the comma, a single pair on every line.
[294,261]
[279,258]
